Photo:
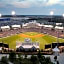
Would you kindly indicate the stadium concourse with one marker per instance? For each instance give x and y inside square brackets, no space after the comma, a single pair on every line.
[31,27]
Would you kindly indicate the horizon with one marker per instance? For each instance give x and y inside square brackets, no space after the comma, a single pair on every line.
[30,15]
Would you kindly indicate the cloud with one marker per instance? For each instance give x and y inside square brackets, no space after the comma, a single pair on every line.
[21,4]
[26,3]
[30,3]
[52,2]
[37,3]
[62,3]
[2,5]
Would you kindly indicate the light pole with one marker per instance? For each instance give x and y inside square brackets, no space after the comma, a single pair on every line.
[51,13]
[13,13]
[0,15]
[57,38]
[63,22]
[0,26]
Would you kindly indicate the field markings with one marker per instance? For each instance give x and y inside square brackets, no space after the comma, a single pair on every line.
[31,36]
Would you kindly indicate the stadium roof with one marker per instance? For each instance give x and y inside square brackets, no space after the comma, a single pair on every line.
[49,26]
[14,26]
[4,27]
[58,27]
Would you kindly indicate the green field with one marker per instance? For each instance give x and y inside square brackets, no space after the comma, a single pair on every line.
[46,39]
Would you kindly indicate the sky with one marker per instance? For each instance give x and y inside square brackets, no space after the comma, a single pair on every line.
[32,7]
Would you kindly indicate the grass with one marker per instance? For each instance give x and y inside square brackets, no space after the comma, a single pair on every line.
[46,39]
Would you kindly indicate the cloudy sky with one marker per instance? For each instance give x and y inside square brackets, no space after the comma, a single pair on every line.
[32,7]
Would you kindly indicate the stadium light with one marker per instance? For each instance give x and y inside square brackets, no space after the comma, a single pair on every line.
[0,15]
[51,13]
[13,13]
[63,15]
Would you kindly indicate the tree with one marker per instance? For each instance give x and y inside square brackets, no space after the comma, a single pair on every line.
[20,57]
[42,59]
[47,59]
[39,54]
[12,56]
[17,61]
[4,60]
[34,59]
[25,56]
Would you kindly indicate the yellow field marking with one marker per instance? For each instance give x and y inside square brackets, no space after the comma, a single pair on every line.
[31,36]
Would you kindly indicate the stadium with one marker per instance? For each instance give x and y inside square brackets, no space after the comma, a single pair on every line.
[38,29]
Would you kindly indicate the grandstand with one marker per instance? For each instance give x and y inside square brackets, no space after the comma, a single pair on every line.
[17,25]
[33,26]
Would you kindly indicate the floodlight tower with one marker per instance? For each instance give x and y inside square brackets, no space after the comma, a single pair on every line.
[13,13]
[63,22]
[0,15]
[0,26]
[63,15]
[51,13]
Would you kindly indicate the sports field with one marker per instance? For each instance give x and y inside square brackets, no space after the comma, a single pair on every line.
[34,36]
